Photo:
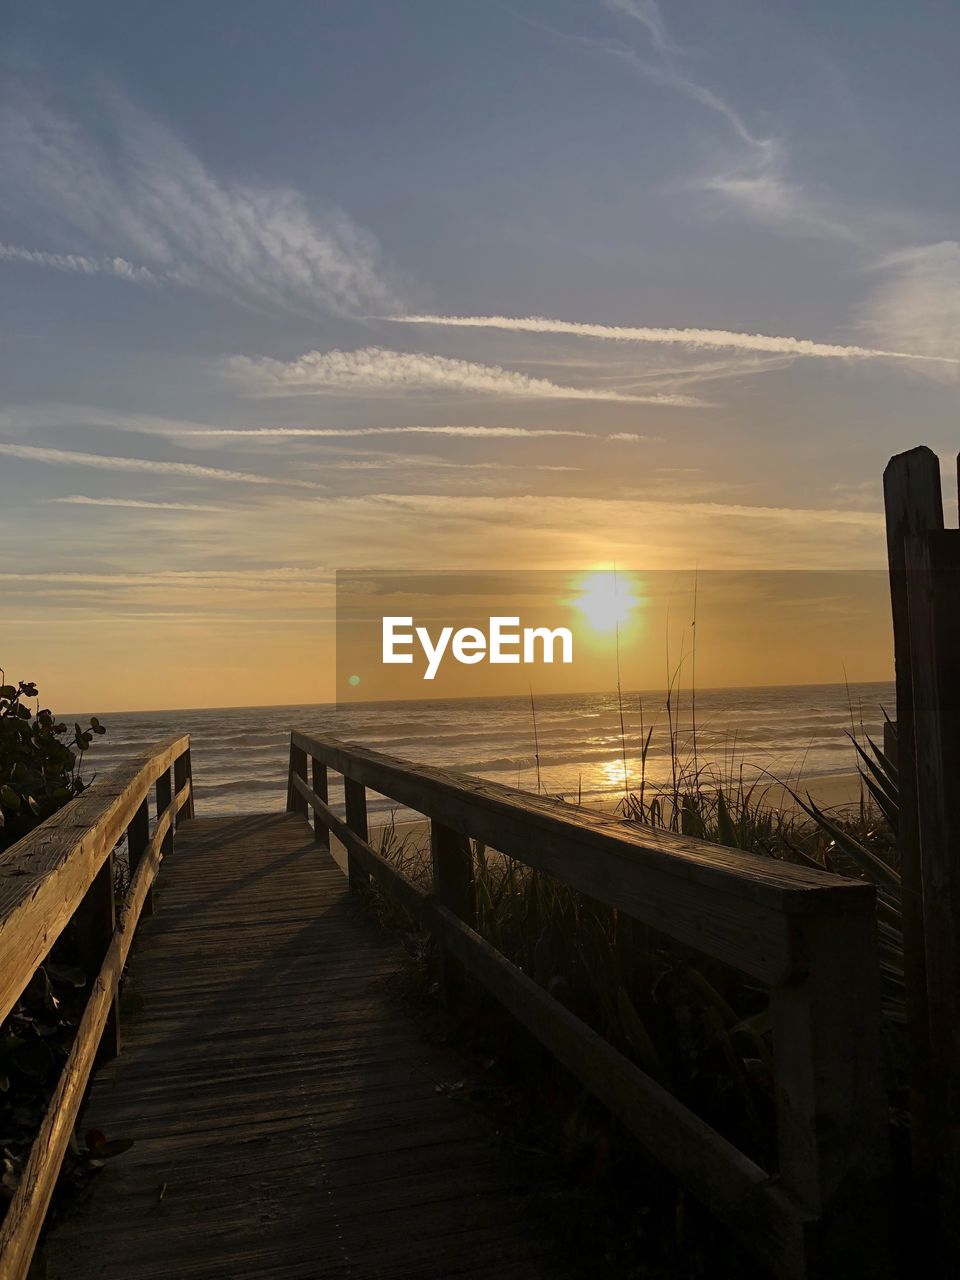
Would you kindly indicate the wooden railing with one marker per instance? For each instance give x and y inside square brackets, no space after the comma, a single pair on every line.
[61,872]
[809,936]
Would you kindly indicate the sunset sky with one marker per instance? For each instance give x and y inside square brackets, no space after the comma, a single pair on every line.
[544,284]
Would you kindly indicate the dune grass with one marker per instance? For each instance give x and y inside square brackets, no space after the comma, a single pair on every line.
[698,1027]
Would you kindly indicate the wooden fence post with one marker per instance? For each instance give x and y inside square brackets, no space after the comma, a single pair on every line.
[318,780]
[890,748]
[164,793]
[191,806]
[832,1123]
[355,801]
[933,590]
[914,505]
[182,774]
[96,921]
[298,768]
[179,782]
[138,837]
[453,884]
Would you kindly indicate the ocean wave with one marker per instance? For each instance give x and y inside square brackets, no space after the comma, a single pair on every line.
[240,757]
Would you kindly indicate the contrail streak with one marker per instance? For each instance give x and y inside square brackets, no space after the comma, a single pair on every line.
[104,462]
[698,338]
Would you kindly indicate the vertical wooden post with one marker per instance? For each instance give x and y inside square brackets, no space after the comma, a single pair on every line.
[318,781]
[298,768]
[179,782]
[355,801]
[933,590]
[290,791]
[138,837]
[452,860]
[188,759]
[914,505]
[96,921]
[890,748]
[453,884]
[164,790]
[832,1124]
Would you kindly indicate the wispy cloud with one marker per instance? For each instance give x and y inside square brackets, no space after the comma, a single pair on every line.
[140,191]
[151,466]
[760,191]
[757,184]
[395,461]
[478,433]
[374,369]
[917,301]
[241,578]
[78,263]
[697,338]
[80,500]
[468,433]
[670,67]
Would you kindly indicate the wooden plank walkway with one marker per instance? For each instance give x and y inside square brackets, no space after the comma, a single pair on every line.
[283,1103]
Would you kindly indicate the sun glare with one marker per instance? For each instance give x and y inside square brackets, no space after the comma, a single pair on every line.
[606,599]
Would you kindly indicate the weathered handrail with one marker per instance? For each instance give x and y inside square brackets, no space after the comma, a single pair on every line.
[809,935]
[63,870]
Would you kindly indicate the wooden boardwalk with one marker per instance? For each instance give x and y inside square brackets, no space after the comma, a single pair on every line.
[284,1107]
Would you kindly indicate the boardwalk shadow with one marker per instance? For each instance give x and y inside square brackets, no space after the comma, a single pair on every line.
[285,1109]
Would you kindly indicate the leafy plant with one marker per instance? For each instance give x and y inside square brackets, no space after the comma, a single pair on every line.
[40,771]
[40,761]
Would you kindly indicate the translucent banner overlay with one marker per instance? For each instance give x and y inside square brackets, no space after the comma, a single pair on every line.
[450,635]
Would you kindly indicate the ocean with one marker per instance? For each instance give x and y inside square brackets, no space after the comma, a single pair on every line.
[240,754]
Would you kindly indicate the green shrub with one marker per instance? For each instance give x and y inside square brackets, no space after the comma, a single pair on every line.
[40,761]
[40,771]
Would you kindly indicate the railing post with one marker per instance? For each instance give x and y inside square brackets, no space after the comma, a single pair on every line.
[96,921]
[182,774]
[933,592]
[453,884]
[138,837]
[453,881]
[355,801]
[298,767]
[913,501]
[318,780]
[191,807]
[832,1122]
[164,792]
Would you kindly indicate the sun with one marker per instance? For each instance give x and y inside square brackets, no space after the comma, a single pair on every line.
[606,600]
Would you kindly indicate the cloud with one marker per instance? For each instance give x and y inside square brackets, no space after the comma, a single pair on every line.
[104,462]
[373,369]
[917,302]
[697,338]
[240,578]
[396,461]
[140,191]
[670,67]
[758,185]
[80,500]
[468,433]
[478,433]
[567,531]
[763,194]
[77,263]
